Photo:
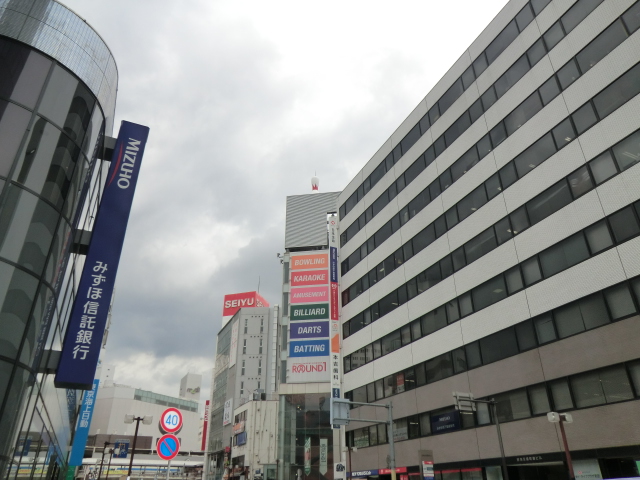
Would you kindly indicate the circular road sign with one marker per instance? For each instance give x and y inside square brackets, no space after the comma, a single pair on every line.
[168,446]
[171,420]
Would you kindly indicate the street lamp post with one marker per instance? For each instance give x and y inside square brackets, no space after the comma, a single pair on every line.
[104,450]
[349,450]
[146,420]
[111,452]
[466,403]
[562,418]
[336,419]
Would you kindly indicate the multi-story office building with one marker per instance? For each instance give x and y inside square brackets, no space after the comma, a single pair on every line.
[307,443]
[58,83]
[490,247]
[245,345]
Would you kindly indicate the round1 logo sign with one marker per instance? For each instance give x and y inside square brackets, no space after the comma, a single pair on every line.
[171,420]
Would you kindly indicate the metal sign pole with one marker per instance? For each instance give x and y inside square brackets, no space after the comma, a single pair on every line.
[505,472]
[392,450]
[566,450]
[466,403]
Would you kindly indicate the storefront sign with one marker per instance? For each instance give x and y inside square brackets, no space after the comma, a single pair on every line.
[123,448]
[309,330]
[235,301]
[309,348]
[307,456]
[445,422]
[233,348]
[87,322]
[309,295]
[309,277]
[238,427]
[587,469]
[363,473]
[387,471]
[307,370]
[538,458]
[336,360]
[84,422]
[427,470]
[205,426]
[324,451]
[309,312]
[228,412]
[306,262]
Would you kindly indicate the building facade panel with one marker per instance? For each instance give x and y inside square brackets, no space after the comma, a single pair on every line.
[476,223]
[588,351]
[542,304]
[630,257]
[494,318]
[563,223]
[585,278]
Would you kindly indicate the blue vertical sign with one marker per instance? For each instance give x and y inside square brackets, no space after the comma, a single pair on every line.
[83,338]
[84,422]
[123,448]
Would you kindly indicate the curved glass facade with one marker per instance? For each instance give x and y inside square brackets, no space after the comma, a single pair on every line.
[57,98]
[57,31]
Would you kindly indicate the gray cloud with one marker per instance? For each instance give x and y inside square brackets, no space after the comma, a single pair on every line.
[245,101]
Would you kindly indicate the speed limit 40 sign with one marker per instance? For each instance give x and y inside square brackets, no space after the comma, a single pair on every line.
[171,420]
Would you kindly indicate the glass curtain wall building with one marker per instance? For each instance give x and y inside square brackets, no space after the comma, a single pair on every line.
[58,84]
[490,246]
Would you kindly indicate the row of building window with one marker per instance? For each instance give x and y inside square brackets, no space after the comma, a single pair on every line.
[246,325]
[243,368]
[540,207]
[587,58]
[583,118]
[482,62]
[613,230]
[605,166]
[244,346]
[612,384]
[598,309]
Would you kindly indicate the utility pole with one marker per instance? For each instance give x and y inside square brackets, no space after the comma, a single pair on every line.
[111,452]
[104,450]
[466,403]
[340,416]
[146,420]
[563,418]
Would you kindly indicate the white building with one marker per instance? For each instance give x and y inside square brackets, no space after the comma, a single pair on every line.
[491,246]
[255,440]
[190,386]
[115,401]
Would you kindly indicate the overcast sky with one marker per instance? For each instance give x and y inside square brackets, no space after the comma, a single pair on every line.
[246,100]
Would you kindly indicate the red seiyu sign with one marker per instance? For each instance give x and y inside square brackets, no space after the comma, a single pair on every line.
[235,301]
